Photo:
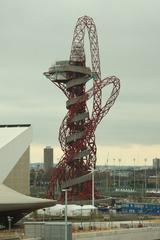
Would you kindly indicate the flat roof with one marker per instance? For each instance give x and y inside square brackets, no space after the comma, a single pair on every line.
[14,125]
[9,132]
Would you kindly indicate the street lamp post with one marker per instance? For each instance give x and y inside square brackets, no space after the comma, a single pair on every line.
[44,210]
[114,178]
[92,186]
[119,184]
[107,177]
[134,184]
[156,180]
[145,182]
[81,227]
[66,194]
[9,223]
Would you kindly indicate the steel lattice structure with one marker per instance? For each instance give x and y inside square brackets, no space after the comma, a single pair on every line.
[77,131]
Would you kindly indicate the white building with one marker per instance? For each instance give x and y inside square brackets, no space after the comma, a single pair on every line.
[14,174]
[73,210]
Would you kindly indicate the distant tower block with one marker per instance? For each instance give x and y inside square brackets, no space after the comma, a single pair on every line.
[156,163]
[48,158]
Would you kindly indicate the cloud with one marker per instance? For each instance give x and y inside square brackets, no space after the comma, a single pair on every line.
[34,34]
[127,153]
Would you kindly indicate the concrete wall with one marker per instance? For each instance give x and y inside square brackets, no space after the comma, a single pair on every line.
[13,143]
[148,233]
[19,178]
[56,230]
[47,230]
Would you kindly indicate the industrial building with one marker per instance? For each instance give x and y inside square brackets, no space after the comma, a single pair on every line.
[14,174]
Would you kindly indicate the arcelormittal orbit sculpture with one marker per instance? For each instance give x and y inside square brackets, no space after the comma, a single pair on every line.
[77,131]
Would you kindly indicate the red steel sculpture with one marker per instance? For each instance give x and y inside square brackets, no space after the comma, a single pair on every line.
[77,131]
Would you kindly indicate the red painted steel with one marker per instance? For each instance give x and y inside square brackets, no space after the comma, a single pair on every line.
[68,167]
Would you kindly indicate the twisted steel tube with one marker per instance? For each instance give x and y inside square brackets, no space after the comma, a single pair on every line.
[77,131]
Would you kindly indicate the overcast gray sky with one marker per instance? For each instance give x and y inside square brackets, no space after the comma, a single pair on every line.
[35,33]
